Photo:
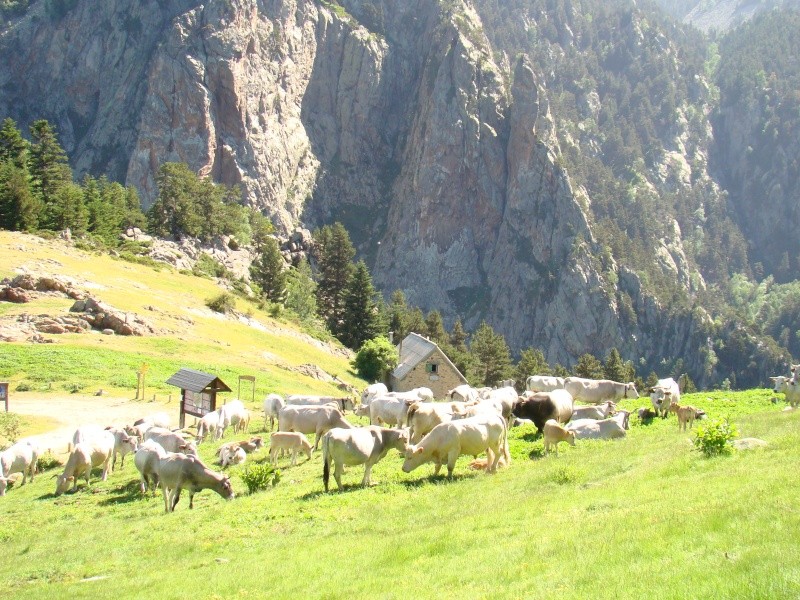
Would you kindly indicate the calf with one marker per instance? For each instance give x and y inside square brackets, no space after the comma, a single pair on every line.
[290,441]
[362,446]
[248,446]
[273,404]
[686,415]
[178,471]
[123,445]
[209,424]
[83,458]
[448,441]
[170,441]
[554,432]
[19,458]
[599,412]
[233,455]
[146,461]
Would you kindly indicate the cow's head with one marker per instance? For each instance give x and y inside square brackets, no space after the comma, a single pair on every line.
[62,483]
[226,489]
[630,390]
[571,438]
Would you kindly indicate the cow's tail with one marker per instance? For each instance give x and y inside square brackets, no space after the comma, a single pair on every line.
[506,453]
[326,466]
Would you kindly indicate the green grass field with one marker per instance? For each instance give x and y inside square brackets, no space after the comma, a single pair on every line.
[646,516]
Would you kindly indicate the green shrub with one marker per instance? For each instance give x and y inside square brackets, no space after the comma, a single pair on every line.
[375,359]
[260,476]
[141,260]
[224,303]
[24,386]
[208,267]
[10,425]
[715,438]
[47,461]
[72,388]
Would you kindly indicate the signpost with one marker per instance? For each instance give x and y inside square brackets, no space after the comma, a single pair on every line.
[249,378]
[140,379]
[4,393]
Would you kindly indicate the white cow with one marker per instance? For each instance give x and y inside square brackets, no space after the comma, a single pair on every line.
[234,455]
[788,386]
[599,412]
[344,403]
[146,461]
[595,391]
[291,441]
[362,446]
[664,393]
[19,458]
[422,393]
[170,441]
[311,419]
[504,398]
[84,456]
[422,417]
[233,414]
[208,424]
[373,391]
[544,383]
[390,410]
[463,393]
[448,441]
[123,445]
[607,429]
[273,404]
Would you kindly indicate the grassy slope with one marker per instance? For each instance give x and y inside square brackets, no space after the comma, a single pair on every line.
[646,516]
[208,342]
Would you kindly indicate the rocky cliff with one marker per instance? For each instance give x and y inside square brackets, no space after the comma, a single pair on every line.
[400,119]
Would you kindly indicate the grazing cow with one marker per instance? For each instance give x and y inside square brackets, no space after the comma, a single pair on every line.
[146,461]
[178,471]
[599,412]
[292,441]
[84,433]
[422,393]
[607,429]
[373,391]
[273,404]
[664,393]
[595,391]
[19,458]
[123,445]
[463,393]
[555,432]
[686,415]
[544,383]
[543,406]
[789,387]
[208,424]
[170,441]
[233,455]
[311,419]
[424,416]
[84,456]
[390,410]
[344,404]
[363,446]
[447,441]
[504,398]
[233,414]
[159,419]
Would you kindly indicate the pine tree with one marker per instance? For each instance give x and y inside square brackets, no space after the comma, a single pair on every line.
[13,147]
[67,210]
[491,355]
[589,367]
[531,362]
[614,368]
[397,315]
[458,337]
[173,214]
[434,328]
[19,208]
[361,321]
[415,321]
[49,171]
[301,292]
[268,271]
[334,255]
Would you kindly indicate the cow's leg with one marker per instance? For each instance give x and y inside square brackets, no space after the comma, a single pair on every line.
[176,495]
[294,456]
[337,474]
[317,436]
[191,498]
[452,457]
[437,466]
[113,460]
[273,456]
[367,472]
[106,467]
[166,498]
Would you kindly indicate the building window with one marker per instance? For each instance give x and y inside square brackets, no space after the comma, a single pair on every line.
[432,368]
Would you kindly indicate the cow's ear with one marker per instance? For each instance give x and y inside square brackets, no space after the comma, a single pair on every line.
[417,450]
[651,391]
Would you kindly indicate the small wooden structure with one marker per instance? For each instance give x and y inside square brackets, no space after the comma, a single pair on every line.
[423,364]
[4,393]
[198,392]
[252,381]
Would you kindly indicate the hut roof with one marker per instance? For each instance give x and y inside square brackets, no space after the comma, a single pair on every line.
[197,381]
[414,349]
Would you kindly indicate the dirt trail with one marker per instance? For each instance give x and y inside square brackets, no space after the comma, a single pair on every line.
[75,410]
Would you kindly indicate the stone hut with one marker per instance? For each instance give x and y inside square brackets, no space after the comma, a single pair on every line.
[423,364]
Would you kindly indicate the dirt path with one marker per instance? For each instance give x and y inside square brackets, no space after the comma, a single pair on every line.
[75,410]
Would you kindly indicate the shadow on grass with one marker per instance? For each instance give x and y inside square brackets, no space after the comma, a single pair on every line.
[130,492]
[537,453]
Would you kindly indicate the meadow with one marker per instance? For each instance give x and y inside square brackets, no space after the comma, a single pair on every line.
[647,516]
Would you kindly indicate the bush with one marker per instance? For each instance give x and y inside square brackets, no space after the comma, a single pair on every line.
[715,438]
[47,461]
[207,266]
[24,386]
[10,425]
[375,359]
[224,303]
[260,476]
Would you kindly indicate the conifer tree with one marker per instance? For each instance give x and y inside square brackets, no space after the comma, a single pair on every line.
[531,362]
[589,366]
[458,337]
[614,369]
[301,291]
[491,355]
[49,173]
[434,328]
[334,255]
[13,147]
[268,271]
[398,315]
[19,208]
[361,319]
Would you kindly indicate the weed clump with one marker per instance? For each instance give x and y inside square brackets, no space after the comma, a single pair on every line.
[260,476]
[715,438]
[224,303]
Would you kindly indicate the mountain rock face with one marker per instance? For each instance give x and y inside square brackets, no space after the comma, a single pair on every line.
[721,15]
[440,154]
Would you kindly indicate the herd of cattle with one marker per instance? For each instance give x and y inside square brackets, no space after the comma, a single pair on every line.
[469,422]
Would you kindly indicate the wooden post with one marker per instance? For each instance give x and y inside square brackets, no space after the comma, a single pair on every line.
[138,384]
[4,393]
[142,372]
